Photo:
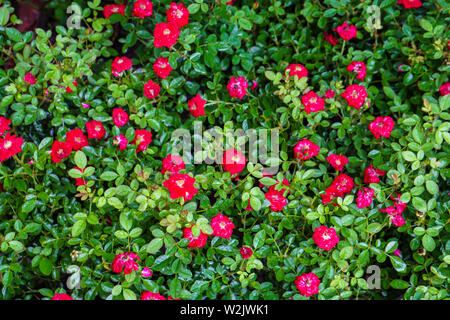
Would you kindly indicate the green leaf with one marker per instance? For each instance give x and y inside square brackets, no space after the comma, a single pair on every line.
[29,205]
[428,243]
[193,8]
[129,295]
[409,156]
[115,202]
[46,266]
[346,252]
[4,15]
[14,34]
[268,181]
[154,245]
[108,175]
[126,221]
[374,227]
[419,204]
[80,159]
[75,173]
[78,228]
[398,263]
[426,25]
[16,245]
[399,284]
[432,187]
[255,203]
[245,24]
[259,238]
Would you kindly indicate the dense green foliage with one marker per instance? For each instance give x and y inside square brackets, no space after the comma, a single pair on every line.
[51,229]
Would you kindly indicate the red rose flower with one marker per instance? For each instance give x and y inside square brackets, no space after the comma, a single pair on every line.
[60,150]
[95,130]
[172,164]
[337,161]
[197,106]
[254,85]
[166,34]
[371,174]
[296,69]
[119,65]
[365,197]
[325,238]
[147,295]
[305,150]
[358,67]
[284,186]
[125,262]
[276,199]
[162,67]
[346,31]
[80,181]
[397,220]
[329,94]
[312,102]
[29,78]
[181,186]
[178,15]
[307,284]
[355,95]
[120,117]
[395,212]
[237,87]
[151,89]
[408,4]
[445,89]
[343,183]
[142,138]
[400,206]
[195,242]
[68,90]
[61,296]
[120,141]
[330,194]
[76,139]
[222,226]
[330,38]
[246,252]
[142,9]
[114,8]
[4,125]
[382,126]
[233,161]
[146,272]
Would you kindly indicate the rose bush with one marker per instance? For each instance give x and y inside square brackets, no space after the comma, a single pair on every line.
[95,204]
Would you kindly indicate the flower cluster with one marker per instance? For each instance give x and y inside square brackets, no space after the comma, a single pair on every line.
[10,145]
[395,211]
[340,186]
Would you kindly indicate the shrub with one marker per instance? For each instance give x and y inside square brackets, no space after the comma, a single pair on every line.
[96,203]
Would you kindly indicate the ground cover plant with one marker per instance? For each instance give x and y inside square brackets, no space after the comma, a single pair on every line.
[96,202]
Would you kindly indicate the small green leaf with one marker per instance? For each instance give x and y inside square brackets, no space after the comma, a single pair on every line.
[154,245]
[432,187]
[108,175]
[78,228]
[80,159]
[428,243]
[409,156]
[399,284]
